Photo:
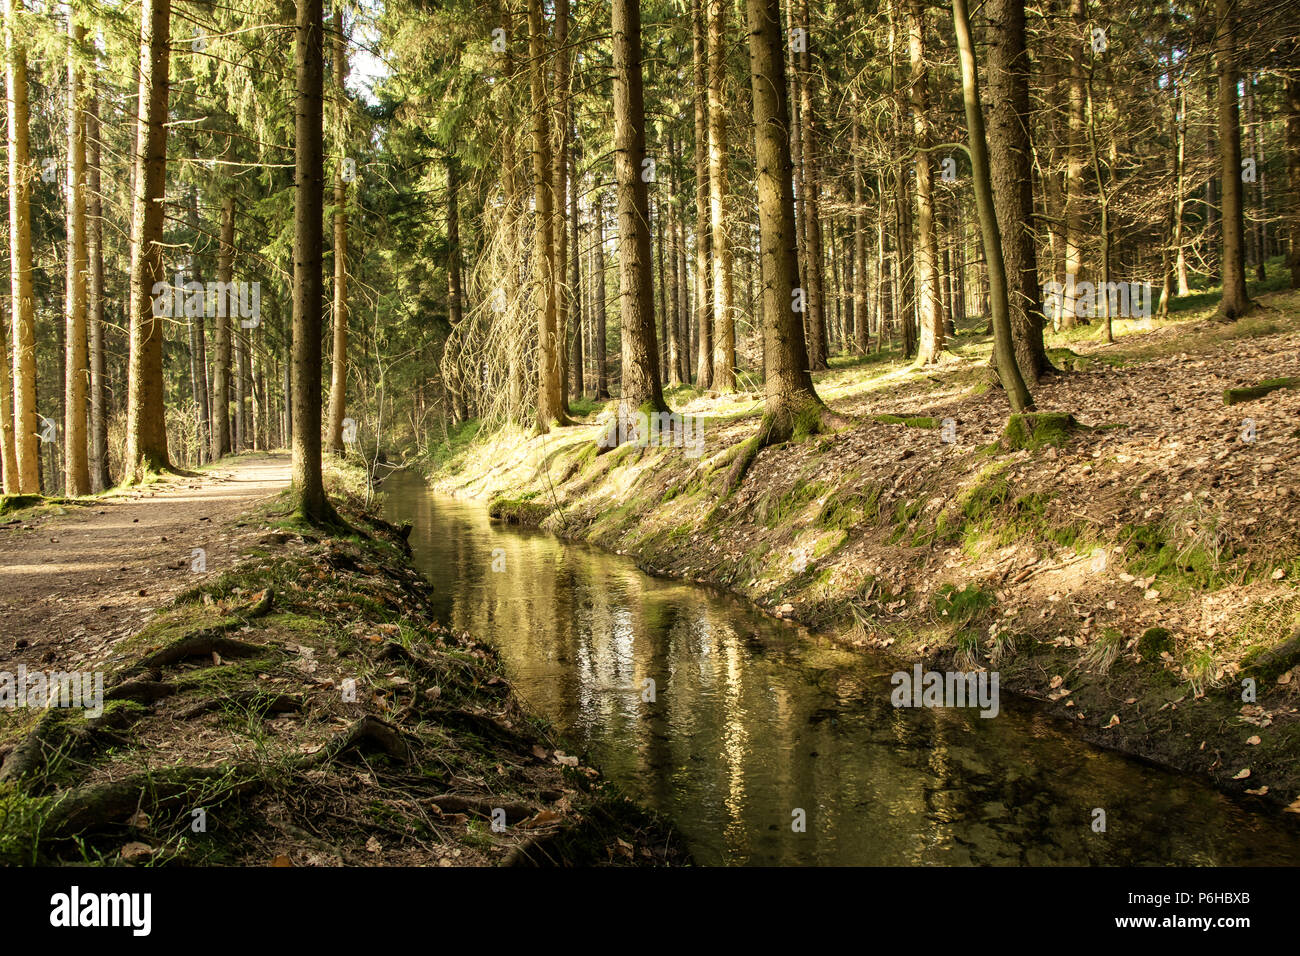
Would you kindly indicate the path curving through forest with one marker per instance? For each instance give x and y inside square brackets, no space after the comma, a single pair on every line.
[76,579]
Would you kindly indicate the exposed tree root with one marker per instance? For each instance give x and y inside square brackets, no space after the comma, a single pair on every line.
[202,644]
[810,418]
[142,691]
[32,752]
[368,729]
[277,704]
[95,807]
[462,803]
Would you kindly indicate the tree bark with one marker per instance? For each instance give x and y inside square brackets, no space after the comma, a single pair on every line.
[221,438]
[703,228]
[1011,168]
[1234,302]
[1074,164]
[76,466]
[1293,175]
[339,361]
[1003,348]
[927,247]
[146,427]
[724,346]
[641,389]
[550,401]
[22,303]
[308,262]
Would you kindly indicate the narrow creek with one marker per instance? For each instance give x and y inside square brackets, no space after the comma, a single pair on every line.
[754,719]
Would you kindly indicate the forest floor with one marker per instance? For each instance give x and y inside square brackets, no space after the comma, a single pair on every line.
[293,703]
[78,575]
[1136,570]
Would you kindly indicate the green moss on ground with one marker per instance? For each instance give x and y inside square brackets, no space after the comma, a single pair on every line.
[1235,396]
[1033,430]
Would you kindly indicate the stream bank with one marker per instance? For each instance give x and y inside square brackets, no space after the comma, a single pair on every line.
[304,708]
[1134,577]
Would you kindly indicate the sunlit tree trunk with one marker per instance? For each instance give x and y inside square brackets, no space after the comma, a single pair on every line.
[146,430]
[22,304]
[308,261]
[1293,175]
[221,444]
[814,269]
[76,363]
[1003,348]
[927,247]
[339,362]
[1011,168]
[560,188]
[601,344]
[549,398]
[724,345]
[641,384]
[1074,163]
[1234,302]
[791,405]
[703,227]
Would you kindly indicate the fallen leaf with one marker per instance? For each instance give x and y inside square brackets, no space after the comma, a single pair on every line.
[1252,740]
[1114,721]
[1243,774]
[136,851]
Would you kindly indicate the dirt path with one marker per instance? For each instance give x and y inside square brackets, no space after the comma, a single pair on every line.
[73,584]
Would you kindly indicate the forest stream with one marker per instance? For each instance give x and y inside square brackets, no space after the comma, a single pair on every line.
[754,719]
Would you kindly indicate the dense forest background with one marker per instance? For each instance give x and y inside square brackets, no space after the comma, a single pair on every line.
[530,208]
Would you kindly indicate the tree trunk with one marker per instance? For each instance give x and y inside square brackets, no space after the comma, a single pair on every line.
[146,428]
[927,247]
[221,443]
[641,390]
[1003,348]
[1293,175]
[99,474]
[8,457]
[601,345]
[308,262]
[673,306]
[550,401]
[339,362]
[703,229]
[1011,168]
[76,466]
[861,318]
[560,187]
[1074,163]
[1234,303]
[791,404]
[576,383]
[22,303]
[815,267]
[724,346]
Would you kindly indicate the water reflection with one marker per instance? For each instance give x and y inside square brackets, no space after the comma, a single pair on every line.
[752,719]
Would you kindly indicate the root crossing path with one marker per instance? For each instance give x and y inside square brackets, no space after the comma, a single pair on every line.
[77,578]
